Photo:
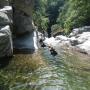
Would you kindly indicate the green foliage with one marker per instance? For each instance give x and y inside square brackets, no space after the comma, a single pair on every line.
[56,28]
[75,13]
[40,21]
[66,14]
[39,15]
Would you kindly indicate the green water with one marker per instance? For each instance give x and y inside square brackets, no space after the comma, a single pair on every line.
[57,75]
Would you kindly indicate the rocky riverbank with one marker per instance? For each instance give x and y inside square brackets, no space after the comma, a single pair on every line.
[78,40]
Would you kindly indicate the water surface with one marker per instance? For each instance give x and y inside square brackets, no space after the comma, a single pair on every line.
[57,75]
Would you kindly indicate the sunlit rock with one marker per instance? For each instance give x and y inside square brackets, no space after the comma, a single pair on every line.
[8,11]
[85,47]
[51,42]
[61,37]
[4,19]
[80,30]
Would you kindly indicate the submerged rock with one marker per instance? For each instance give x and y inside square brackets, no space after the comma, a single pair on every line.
[85,46]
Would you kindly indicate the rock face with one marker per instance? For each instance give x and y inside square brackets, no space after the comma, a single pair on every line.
[6,48]
[22,22]
[4,3]
[4,19]
[24,29]
[16,18]
[23,16]
[26,43]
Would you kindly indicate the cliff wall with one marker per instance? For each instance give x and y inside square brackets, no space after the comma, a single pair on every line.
[16,24]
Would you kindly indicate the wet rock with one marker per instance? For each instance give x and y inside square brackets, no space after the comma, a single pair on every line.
[26,43]
[6,48]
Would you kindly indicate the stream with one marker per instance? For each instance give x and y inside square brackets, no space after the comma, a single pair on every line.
[57,75]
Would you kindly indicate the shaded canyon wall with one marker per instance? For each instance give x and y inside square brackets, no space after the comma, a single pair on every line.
[17,30]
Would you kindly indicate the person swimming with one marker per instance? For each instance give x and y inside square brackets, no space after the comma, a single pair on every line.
[42,43]
[52,51]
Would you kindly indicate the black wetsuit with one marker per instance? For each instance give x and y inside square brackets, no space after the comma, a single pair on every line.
[53,52]
[41,43]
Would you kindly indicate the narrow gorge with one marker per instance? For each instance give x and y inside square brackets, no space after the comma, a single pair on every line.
[30,31]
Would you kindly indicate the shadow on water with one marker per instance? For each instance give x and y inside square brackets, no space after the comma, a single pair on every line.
[24,51]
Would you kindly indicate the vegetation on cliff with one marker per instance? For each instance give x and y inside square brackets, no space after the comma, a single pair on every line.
[61,14]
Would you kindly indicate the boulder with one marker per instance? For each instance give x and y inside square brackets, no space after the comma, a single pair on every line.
[80,30]
[83,37]
[4,19]
[85,47]
[8,10]
[73,41]
[22,22]
[6,48]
